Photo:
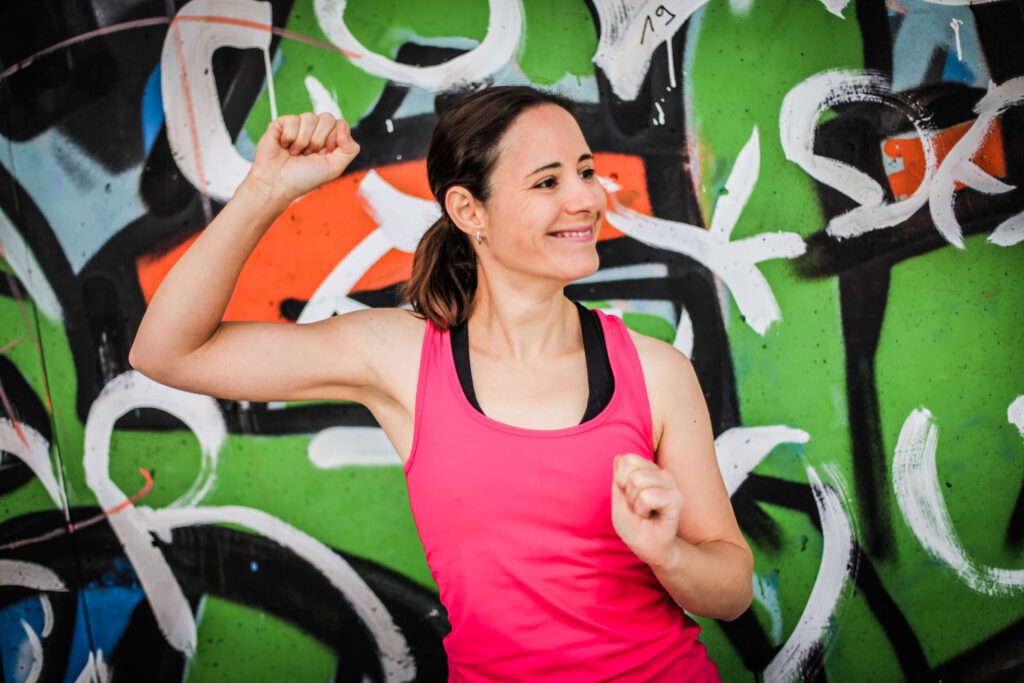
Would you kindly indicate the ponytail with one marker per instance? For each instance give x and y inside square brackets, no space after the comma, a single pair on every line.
[443,279]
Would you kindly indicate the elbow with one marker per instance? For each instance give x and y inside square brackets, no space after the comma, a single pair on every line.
[744,595]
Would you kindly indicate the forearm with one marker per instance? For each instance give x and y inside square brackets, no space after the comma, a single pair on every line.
[189,304]
[712,579]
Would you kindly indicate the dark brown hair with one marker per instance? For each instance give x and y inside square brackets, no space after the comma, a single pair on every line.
[463,150]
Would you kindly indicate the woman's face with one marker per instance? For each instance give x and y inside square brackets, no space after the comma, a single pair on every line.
[543,183]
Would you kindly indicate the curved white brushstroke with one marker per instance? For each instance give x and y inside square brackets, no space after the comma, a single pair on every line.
[504,29]
[25,266]
[733,262]
[741,449]
[766,593]
[47,607]
[738,188]
[1015,414]
[200,414]
[322,101]
[631,30]
[798,121]
[331,296]
[29,575]
[352,446]
[958,167]
[836,7]
[134,524]
[223,168]
[393,651]
[684,333]
[403,217]
[1009,232]
[825,603]
[402,220]
[95,670]
[35,651]
[36,455]
[916,481]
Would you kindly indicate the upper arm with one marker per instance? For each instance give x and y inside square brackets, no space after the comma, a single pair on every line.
[332,359]
[686,449]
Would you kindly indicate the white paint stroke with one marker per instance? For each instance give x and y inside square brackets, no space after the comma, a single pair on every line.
[798,120]
[35,454]
[393,650]
[352,446]
[504,30]
[684,334]
[1015,414]
[916,482]
[34,651]
[95,670]
[322,101]
[766,593]
[27,269]
[124,393]
[836,7]
[271,95]
[47,607]
[734,262]
[741,449]
[958,167]
[827,598]
[402,220]
[631,30]
[1009,232]
[740,8]
[738,188]
[29,575]
[223,168]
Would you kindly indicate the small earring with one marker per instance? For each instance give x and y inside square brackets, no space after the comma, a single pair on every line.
[479,240]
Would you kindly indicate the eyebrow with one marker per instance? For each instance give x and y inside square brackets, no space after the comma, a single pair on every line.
[586,156]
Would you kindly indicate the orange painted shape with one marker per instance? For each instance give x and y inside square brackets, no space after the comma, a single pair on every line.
[990,156]
[315,233]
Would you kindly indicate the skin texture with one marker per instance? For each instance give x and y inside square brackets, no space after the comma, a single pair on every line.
[526,346]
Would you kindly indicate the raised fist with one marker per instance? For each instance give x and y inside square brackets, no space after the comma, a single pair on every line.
[298,154]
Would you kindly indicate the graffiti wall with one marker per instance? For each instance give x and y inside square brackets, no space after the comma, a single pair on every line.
[816,200]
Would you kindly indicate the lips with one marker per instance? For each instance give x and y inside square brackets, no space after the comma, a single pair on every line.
[578,233]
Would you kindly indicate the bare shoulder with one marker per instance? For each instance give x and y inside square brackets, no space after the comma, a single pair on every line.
[669,376]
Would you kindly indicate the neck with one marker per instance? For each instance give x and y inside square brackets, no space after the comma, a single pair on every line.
[521,322]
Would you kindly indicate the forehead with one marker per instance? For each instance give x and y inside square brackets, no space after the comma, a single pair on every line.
[539,136]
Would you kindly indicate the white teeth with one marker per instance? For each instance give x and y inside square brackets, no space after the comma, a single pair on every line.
[584,233]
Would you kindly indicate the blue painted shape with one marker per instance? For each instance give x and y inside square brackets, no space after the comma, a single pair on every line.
[957,71]
[110,603]
[152,110]
[15,652]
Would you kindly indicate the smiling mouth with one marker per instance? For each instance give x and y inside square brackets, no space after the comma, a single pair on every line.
[573,234]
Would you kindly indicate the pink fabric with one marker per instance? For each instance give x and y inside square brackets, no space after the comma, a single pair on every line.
[516,524]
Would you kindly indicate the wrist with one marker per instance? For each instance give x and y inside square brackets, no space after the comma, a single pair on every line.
[261,195]
[671,559]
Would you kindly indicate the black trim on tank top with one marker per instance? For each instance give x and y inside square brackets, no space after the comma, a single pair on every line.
[600,380]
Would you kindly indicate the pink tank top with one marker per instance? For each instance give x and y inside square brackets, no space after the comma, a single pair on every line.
[517,528]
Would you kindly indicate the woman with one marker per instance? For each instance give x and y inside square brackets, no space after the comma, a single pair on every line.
[562,548]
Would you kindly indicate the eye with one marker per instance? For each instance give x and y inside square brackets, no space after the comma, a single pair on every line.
[588,173]
[546,184]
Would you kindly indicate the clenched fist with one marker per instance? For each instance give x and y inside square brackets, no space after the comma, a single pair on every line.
[646,504]
[298,154]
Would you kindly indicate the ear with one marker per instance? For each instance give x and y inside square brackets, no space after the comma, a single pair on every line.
[465,210]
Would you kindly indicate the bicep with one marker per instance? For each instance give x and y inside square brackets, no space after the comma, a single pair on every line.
[687,450]
[263,361]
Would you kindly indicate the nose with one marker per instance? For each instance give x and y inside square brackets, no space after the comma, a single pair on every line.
[585,196]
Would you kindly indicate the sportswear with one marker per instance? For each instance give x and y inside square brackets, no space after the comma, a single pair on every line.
[516,525]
